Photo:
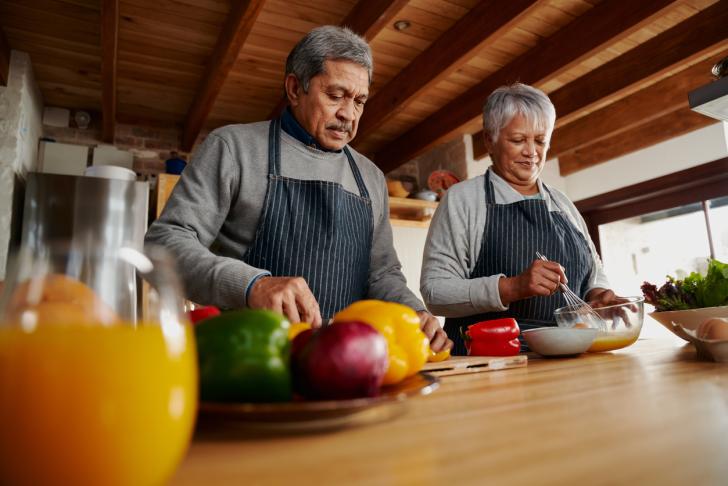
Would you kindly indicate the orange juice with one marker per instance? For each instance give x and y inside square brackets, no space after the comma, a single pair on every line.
[612,340]
[95,405]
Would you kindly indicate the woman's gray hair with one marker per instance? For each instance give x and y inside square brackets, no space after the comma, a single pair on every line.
[507,101]
[329,42]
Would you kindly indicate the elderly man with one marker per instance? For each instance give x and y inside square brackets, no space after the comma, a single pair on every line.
[299,220]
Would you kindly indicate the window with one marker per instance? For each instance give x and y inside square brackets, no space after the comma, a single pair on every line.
[718,211]
[665,226]
[650,247]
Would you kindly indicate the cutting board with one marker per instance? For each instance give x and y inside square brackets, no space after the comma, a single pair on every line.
[459,365]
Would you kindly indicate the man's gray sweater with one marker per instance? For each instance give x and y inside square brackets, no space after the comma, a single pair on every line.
[219,199]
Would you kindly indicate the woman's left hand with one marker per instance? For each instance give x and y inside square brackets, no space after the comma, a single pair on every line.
[603,297]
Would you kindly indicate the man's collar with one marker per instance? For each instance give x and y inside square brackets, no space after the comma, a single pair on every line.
[290,125]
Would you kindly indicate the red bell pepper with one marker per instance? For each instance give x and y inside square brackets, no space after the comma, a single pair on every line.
[201,313]
[498,337]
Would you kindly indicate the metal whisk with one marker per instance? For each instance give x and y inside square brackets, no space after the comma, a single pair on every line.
[590,317]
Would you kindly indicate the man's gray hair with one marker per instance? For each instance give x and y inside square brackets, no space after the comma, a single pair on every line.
[329,42]
[507,101]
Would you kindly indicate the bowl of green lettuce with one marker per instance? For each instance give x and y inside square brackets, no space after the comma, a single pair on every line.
[690,301]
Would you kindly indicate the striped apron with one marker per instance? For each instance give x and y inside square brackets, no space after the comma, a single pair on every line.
[512,235]
[316,230]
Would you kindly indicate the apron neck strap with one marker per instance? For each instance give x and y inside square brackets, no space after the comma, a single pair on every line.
[357,175]
[274,147]
[274,157]
[489,192]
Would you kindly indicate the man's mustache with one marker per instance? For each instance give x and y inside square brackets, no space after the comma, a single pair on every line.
[341,127]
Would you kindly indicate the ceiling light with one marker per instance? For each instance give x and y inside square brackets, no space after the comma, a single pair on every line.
[401,25]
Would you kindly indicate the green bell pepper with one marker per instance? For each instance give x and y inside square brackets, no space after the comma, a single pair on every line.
[244,357]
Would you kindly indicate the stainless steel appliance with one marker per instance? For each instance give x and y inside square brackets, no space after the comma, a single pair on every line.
[106,212]
[103,214]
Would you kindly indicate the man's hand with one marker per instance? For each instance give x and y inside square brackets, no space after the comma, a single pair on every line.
[541,278]
[434,332]
[289,296]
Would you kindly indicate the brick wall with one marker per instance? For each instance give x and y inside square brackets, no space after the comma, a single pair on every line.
[149,145]
[455,156]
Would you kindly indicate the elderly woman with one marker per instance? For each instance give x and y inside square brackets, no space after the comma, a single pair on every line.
[480,258]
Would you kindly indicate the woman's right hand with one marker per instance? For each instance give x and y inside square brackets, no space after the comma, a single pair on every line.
[541,278]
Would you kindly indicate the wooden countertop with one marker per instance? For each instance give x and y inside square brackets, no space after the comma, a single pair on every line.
[648,414]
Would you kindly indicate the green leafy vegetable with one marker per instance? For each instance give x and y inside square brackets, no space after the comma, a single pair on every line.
[693,292]
[714,290]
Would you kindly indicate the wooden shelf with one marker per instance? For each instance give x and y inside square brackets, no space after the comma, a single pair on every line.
[403,202]
[411,212]
[409,223]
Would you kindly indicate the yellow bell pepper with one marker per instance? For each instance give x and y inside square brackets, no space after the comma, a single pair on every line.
[408,346]
[439,356]
[297,329]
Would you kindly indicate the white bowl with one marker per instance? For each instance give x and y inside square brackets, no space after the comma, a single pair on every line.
[426,196]
[559,341]
[689,319]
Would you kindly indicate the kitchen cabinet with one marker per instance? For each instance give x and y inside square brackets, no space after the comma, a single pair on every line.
[62,158]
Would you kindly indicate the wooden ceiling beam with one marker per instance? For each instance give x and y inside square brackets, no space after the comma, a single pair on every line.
[367,18]
[702,35]
[230,42]
[607,22]
[4,59]
[641,107]
[485,24]
[696,39]
[109,50]
[678,122]
[663,187]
